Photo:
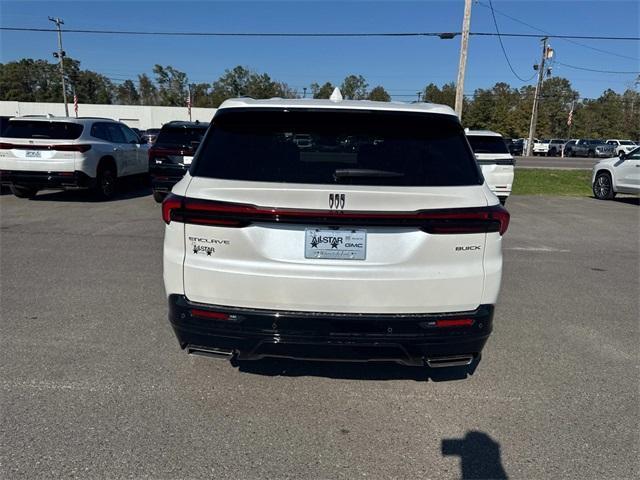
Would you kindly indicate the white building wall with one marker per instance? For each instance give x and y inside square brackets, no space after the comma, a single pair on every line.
[139,116]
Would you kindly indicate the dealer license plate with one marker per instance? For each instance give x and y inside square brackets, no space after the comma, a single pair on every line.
[34,154]
[335,244]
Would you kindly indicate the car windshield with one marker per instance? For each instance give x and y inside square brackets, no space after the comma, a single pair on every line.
[487,144]
[180,136]
[43,129]
[337,146]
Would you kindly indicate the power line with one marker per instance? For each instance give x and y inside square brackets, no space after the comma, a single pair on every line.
[443,35]
[506,57]
[548,34]
[595,70]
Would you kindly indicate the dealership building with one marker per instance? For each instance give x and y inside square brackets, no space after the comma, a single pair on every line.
[138,116]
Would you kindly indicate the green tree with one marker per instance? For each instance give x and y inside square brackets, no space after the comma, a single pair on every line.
[379,94]
[354,87]
[147,90]
[444,96]
[172,85]
[127,94]
[323,91]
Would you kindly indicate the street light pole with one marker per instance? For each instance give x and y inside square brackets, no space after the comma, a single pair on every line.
[462,65]
[536,98]
[60,54]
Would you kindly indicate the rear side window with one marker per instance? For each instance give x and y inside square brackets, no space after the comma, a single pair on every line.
[43,129]
[489,144]
[180,136]
[324,146]
[99,130]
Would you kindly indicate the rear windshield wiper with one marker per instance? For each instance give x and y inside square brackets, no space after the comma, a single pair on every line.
[364,173]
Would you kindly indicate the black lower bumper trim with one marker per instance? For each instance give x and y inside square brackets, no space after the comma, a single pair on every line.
[163,177]
[404,338]
[44,180]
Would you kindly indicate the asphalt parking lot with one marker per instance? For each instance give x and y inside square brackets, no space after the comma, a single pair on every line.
[572,163]
[93,383]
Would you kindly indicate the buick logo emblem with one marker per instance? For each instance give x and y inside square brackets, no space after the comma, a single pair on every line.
[336,201]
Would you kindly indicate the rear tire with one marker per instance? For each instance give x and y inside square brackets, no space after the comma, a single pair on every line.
[106,182]
[503,200]
[159,196]
[591,154]
[23,192]
[602,186]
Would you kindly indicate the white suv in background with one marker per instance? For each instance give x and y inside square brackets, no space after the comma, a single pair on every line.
[377,239]
[622,146]
[495,160]
[617,175]
[39,153]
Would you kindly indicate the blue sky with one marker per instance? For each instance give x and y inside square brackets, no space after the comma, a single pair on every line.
[402,65]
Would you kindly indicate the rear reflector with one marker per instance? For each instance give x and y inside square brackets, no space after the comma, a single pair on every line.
[445,221]
[209,314]
[454,322]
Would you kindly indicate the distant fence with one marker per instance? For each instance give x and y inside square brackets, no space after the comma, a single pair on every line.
[139,116]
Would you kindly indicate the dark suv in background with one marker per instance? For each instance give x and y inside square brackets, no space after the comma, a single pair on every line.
[171,155]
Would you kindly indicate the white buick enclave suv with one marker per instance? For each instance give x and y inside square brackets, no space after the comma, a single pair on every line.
[378,239]
[47,152]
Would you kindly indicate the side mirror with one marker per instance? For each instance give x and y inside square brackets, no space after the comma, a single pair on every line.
[622,155]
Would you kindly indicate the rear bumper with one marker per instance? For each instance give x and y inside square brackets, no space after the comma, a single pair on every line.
[411,339]
[163,177]
[42,180]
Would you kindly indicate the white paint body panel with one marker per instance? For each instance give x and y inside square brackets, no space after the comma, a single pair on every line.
[263,265]
[498,177]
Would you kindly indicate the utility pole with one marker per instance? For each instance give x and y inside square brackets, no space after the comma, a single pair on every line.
[462,65]
[536,97]
[60,54]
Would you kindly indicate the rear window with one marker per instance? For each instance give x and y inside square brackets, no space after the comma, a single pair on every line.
[40,129]
[180,136]
[324,146]
[488,144]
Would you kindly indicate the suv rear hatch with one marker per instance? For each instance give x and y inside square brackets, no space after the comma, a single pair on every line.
[379,212]
[495,160]
[40,146]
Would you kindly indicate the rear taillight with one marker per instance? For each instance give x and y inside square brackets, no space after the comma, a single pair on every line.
[172,203]
[467,220]
[450,221]
[72,148]
[60,148]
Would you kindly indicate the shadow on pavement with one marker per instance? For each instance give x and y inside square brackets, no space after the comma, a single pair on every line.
[629,200]
[127,189]
[479,455]
[273,367]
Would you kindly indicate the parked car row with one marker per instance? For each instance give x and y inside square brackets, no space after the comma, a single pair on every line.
[47,152]
[577,147]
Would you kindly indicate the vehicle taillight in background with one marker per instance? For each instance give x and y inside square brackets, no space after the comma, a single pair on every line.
[60,148]
[449,221]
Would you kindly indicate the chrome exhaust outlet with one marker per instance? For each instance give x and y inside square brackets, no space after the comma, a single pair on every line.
[210,351]
[450,361]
